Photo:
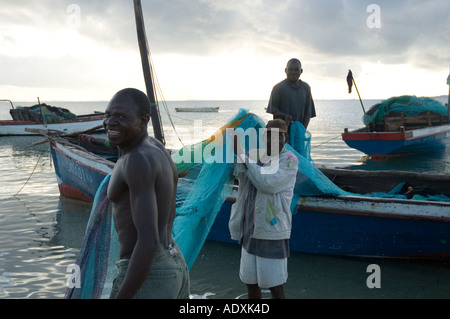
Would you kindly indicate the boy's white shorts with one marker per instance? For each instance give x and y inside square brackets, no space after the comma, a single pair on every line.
[266,272]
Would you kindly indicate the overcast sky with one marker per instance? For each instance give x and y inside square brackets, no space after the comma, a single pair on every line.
[223,50]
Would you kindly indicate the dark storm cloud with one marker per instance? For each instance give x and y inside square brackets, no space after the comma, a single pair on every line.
[208,26]
[330,33]
[411,31]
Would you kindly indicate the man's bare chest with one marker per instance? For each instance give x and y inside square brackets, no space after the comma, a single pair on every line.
[117,188]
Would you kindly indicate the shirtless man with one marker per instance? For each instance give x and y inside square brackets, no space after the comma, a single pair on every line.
[142,190]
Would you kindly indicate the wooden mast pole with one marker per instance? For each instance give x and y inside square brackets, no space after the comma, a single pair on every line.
[146,68]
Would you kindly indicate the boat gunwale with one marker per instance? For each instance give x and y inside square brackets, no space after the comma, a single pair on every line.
[79,151]
[362,134]
[79,119]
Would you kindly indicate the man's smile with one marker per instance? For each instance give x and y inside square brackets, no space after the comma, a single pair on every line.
[113,132]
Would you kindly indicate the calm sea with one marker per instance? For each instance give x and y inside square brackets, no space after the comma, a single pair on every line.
[41,232]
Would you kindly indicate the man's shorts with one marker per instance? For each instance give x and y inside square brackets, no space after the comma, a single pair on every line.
[266,272]
[168,279]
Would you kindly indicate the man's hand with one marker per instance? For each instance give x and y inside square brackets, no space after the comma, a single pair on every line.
[284,116]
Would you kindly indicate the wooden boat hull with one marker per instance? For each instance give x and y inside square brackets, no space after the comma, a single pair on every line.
[422,140]
[78,173]
[13,128]
[353,226]
[345,225]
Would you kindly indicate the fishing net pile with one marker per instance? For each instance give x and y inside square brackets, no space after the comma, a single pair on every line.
[42,113]
[406,104]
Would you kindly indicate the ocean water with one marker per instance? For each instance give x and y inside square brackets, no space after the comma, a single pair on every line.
[41,232]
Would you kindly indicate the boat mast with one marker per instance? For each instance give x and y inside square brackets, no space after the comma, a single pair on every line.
[146,68]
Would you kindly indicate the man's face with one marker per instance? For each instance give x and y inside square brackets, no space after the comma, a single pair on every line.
[122,123]
[293,71]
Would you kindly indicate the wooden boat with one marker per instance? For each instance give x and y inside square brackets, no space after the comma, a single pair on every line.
[43,116]
[398,134]
[366,226]
[353,225]
[197,109]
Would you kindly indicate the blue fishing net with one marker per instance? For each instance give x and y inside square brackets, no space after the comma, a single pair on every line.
[409,105]
[300,140]
[98,252]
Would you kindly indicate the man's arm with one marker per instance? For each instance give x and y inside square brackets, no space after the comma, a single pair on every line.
[306,121]
[287,118]
[310,109]
[269,183]
[140,177]
[274,101]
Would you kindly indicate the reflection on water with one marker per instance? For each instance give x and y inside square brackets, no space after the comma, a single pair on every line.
[438,162]
[40,238]
[32,258]
[318,276]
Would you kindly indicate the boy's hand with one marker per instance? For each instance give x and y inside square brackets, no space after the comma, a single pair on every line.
[237,148]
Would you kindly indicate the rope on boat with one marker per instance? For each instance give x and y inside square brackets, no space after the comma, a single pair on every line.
[323,143]
[29,177]
[157,89]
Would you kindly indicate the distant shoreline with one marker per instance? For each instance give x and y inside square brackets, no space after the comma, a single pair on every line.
[176,101]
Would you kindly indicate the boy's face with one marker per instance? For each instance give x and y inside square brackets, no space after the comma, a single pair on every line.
[274,140]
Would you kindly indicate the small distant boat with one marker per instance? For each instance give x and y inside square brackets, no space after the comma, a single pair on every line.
[197,109]
[47,117]
[402,126]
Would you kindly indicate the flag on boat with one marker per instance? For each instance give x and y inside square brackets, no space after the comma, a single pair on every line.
[350,81]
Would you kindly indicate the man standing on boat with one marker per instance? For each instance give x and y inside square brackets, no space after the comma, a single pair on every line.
[142,190]
[261,219]
[291,101]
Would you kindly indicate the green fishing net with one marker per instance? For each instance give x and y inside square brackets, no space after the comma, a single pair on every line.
[407,104]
